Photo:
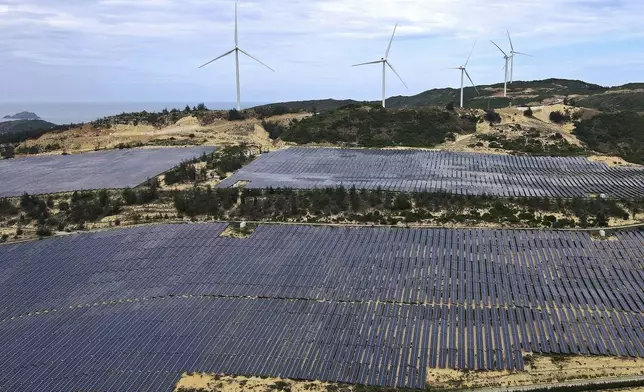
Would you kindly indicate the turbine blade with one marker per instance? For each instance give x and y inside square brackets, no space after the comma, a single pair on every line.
[212,61]
[523,54]
[510,39]
[499,48]
[370,62]
[247,54]
[236,33]
[468,57]
[392,68]
[390,41]
[471,81]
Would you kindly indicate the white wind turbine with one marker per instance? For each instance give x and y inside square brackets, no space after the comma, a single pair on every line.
[385,62]
[236,50]
[512,53]
[505,67]
[463,69]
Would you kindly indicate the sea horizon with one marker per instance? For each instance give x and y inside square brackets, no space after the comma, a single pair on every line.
[81,112]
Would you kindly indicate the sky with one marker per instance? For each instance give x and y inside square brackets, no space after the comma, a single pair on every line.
[150,50]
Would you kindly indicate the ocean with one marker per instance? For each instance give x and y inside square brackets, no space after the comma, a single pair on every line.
[80,112]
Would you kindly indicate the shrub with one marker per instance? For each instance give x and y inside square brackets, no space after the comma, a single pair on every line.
[43,231]
[235,115]
[492,116]
[558,117]
[528,112]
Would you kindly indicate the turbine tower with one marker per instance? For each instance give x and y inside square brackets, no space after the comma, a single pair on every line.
[506,68]
[463,69]
[512,53]
[237,50]
[385,62]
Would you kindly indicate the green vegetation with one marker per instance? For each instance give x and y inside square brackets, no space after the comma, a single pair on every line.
[620,134]
[37,149]
[614,101]
[20,126]
[223,161]
[558,117]
[373,126]
[340,205]
[275,129]
[530,143]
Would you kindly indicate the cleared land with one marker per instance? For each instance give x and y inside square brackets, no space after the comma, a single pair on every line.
[94,170]
[460,173]
[137,307]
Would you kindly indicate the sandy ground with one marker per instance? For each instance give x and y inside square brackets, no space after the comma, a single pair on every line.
[511,119]
[539,370]
[610,160]
[221,132]
[212,383]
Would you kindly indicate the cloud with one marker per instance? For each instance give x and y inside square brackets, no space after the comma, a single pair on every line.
[311,43]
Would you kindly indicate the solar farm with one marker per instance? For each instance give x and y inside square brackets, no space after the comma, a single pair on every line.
[460,173]
[132,309]
[93,170]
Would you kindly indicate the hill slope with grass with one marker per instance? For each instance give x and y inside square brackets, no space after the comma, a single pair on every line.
[620,134]
[373,126]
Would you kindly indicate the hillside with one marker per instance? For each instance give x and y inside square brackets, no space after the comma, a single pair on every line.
[520,93]
[619,134]
[373,126]
[24,125]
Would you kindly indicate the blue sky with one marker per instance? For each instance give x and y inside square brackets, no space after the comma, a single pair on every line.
[149,50]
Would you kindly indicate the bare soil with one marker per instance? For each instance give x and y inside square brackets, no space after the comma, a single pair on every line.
[539,369]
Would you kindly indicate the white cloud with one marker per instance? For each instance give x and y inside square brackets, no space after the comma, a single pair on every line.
[162,39]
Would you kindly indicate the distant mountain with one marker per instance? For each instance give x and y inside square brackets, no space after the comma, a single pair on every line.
[23,116]
[19,130]
[520,93]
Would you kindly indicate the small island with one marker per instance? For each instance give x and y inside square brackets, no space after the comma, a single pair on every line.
[23,116]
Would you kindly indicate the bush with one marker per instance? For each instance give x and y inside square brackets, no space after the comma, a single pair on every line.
[492,116]
[450,106]
[558,117]
[43,231]
[235,115]
[274,129]
[528,112]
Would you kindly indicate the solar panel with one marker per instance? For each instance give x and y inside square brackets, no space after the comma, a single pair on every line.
[134,308]
[439,171]
[92,170]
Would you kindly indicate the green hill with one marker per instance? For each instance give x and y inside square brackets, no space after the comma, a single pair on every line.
[519,92]
[373,126]
[620,134]
[24,125]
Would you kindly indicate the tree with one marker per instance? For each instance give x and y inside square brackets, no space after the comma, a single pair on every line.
[235,115]
[450,106]
[558,117]
[201,107]
[187,109]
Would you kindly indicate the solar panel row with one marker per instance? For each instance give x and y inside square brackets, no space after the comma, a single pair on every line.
[374,306]
[432,171]
[93,170]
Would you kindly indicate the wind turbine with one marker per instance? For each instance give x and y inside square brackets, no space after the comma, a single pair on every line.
[236,50]
[463,69]
[505,67]
[385,62]
[512,53]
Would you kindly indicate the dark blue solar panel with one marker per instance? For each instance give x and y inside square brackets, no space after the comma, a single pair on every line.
[134,308]
[444,171]
[92,170]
